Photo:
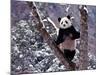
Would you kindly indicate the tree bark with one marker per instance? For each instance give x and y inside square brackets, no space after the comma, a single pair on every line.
[83,39]
[48,39]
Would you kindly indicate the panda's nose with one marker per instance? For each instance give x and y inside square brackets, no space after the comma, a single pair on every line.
[64,25]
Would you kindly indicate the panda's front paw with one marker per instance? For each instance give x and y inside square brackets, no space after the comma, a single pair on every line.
[76,36]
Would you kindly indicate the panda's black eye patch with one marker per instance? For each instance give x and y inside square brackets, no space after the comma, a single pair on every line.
[66,21]
[61,22]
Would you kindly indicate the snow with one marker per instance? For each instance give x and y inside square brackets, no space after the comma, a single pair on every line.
[15,48]
[85,8]
[44,20]
[18,68]
[28,32]
[67,9]
[13,37]
[21,55]
[22,23]
[30,65]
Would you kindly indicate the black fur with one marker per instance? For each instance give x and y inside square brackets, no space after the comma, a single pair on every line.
[67,32]
[59,19]
[69,55]
[68,17]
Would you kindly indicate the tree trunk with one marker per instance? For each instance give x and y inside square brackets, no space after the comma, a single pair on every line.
[48,39]
[83,39]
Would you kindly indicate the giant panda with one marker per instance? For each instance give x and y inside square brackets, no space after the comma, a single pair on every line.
[67,36]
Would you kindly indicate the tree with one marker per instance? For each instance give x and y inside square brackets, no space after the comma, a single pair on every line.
[83,39]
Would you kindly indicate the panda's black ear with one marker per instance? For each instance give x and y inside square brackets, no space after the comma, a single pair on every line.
[68,17]
[59,19]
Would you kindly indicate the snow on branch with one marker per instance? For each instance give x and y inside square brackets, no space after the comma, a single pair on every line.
[84,7]
[57,29]
[67,8]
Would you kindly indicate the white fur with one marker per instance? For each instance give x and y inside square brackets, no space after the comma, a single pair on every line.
[67,25]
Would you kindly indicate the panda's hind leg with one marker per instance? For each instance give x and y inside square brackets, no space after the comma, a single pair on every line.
[69,54]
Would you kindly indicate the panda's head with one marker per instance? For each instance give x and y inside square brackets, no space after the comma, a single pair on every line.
[65,22]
